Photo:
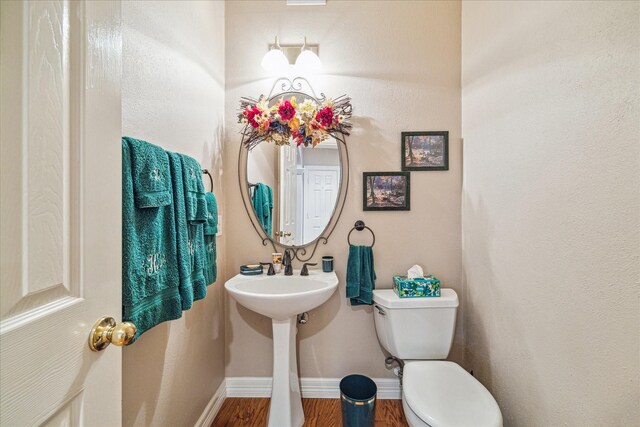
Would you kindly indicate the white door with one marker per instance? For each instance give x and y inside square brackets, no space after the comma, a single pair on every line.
[320,194]
[287,195]
[60,211]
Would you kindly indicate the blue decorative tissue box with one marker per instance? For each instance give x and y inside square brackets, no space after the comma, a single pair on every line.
[420,287]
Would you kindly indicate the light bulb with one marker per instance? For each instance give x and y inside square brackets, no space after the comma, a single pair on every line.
[307,61]
[275,62]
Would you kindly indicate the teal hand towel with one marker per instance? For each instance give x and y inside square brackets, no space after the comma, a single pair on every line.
[196,211]
[150,276]
[195,203]
[262,201]
[185,258]
[150,173]
[361,275]
[210,230]
[211,226]
[354,271]
[269,198]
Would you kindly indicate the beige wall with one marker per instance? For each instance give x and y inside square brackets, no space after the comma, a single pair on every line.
[400,63]
[173,96]
[551,199]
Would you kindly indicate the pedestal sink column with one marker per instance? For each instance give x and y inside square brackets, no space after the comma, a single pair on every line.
[281,298]
[286,402]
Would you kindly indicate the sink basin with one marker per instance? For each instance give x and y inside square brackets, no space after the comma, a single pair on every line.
[281,297]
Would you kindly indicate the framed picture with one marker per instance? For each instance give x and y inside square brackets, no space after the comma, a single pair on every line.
[425,151]
[386,191]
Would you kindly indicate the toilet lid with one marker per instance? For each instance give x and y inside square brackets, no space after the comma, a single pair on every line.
[443,394]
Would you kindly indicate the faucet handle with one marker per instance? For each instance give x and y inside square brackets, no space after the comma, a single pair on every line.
[271,271]
[305,270]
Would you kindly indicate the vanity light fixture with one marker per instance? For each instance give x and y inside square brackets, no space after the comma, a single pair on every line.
[280,59]
[307,61]
[274,61]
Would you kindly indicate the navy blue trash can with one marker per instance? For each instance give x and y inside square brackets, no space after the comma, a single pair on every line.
[358,399]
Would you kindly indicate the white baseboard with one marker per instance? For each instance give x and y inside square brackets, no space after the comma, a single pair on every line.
[214,405]
[318,388]
[248,386]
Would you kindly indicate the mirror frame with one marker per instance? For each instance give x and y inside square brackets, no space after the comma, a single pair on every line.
[290,88]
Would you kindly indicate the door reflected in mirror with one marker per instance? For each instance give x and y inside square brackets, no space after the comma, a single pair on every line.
[293,189]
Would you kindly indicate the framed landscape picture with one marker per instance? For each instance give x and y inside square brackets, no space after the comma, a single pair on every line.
[386,191]
[425,151]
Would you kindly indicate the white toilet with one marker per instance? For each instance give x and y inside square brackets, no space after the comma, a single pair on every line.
[435,393]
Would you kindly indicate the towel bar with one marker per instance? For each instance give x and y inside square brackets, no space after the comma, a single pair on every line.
[206,172]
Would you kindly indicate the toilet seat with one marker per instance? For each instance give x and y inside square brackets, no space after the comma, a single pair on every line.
[442,394]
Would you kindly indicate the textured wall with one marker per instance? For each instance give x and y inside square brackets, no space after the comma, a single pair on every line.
[400,63]
[551,200]
[173,95]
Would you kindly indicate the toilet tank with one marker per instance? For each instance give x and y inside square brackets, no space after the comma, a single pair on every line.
[415,328]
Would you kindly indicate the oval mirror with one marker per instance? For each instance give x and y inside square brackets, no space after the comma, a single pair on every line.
[293,193]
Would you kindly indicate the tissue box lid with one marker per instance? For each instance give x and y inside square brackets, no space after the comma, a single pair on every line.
[389,299]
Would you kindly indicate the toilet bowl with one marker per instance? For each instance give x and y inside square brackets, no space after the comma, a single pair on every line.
[435,393]
[438,393]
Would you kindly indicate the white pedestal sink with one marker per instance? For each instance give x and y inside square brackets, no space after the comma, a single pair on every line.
[282,298]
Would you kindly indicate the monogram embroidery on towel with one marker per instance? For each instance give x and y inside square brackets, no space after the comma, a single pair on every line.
[192,247]
[192,173]
[154,263]
[155,174]
[211,247]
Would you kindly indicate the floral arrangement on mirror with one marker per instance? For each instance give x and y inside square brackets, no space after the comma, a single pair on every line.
[307,123]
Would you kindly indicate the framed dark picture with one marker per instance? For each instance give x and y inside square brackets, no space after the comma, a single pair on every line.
[425,151]
[386,191]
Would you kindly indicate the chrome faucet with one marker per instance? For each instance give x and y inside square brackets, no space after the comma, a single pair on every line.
[288,266]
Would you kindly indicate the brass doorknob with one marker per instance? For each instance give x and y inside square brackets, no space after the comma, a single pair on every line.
[106,331]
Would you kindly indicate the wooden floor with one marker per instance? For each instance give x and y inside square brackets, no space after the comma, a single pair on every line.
[250,412]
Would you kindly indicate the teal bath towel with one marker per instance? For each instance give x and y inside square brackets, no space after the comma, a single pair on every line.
[361,275]
[262,201]
[210,231]
[185,258]
[150,276]
[196,212]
